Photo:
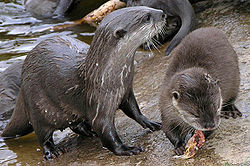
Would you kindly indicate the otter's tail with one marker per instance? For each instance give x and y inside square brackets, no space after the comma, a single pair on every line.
[10,82]
[19,124]
[185,11]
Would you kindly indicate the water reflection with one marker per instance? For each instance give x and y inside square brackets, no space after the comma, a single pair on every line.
[20,32]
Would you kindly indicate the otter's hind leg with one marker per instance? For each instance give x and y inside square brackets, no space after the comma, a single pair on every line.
[45,138]
[43,114]
[130,107]
[44,134]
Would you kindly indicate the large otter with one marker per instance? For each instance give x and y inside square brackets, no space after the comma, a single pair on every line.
[56,92]
[180,8]
[201,82]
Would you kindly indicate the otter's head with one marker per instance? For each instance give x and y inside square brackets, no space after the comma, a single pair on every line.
[127,29]
[197,98]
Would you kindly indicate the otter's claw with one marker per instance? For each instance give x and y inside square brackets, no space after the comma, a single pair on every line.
[180,150]
[230,111]
[124,150]
[146,123]
[52,152]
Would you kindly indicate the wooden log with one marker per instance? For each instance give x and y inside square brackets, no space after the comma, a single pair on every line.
[94,17]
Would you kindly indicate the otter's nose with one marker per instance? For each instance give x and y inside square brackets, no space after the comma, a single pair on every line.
[159,15]
[163,16]
[209,126]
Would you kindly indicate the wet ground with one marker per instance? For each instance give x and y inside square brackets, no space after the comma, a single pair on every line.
[229,145]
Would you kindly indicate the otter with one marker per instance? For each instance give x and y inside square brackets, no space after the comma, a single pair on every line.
[10,84]
[60,8]
[177,8]
[48,8]
[201,84]
[59,91]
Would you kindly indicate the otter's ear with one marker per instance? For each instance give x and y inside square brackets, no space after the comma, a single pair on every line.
[119,33]
[208,78]
[176,95]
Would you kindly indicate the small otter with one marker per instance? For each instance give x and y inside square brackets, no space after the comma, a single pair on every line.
[201,83]
[59,91]
[10,84]
[179,8]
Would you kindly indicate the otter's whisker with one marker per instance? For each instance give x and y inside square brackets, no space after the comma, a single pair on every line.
[226,104]
[179,124]
[148,44]
[157,42]
[153,44]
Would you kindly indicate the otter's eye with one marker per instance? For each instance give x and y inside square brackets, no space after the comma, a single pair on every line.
[119,33]
[176,95]
[147,17]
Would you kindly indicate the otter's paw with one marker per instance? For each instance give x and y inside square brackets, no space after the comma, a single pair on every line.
[52,152]
[84,129]
[124,150]
[146,123]
[230,111]
[180,150]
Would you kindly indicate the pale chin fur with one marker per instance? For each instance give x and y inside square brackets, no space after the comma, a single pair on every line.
[147,31]
[183,114]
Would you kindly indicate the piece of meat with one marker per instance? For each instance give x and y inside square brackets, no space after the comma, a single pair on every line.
[193,144]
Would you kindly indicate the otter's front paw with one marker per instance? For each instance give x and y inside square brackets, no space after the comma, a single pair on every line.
[124,150]
[180,150]
[230,111]
[146,123]
[154,126]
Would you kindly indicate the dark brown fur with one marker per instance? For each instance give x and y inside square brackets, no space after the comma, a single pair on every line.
[201,82]
[61,87]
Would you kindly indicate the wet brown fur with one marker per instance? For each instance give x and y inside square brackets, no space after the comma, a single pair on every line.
[204,51]
[61,87]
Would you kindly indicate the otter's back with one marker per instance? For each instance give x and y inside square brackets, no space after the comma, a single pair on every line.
[209,48]
[52,66]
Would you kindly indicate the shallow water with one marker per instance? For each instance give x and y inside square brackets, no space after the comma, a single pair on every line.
[20,32]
